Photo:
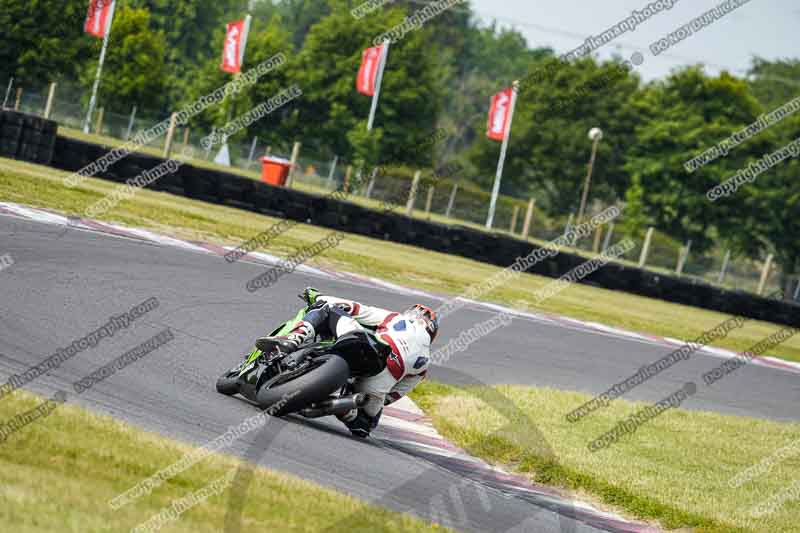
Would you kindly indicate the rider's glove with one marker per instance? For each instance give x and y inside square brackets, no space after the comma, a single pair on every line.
[309,296]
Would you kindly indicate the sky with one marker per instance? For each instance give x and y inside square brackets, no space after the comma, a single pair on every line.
[764,28]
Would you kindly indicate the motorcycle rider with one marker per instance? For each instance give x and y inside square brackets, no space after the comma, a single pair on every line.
[407,337]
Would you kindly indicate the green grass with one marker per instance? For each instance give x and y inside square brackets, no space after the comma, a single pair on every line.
[428,270]
[674,469]
[60,472]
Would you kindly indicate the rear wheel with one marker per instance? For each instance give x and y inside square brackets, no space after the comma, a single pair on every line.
[313,383]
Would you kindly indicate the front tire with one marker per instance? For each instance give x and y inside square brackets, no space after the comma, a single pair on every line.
[228,385]
[316,385]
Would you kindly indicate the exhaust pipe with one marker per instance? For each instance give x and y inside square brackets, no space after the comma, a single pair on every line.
[335,406]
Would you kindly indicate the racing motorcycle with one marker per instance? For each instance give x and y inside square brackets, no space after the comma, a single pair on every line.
[313,381]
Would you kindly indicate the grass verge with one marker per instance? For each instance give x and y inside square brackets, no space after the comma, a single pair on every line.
[60,472]
[675,469]
[42,186]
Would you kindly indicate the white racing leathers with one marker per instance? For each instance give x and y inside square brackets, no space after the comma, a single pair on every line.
[411,351]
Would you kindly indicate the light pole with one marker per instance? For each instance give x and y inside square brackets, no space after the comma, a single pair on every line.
[595,135]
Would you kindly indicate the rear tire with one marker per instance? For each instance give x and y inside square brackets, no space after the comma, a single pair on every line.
[315,386]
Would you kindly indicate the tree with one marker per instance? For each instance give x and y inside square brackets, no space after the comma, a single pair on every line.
[487,60]
[549,148]
[326,69]
[772,221]
[775,82]
[273,129]
[43,41]
[298,16]
[189,27]
[635,220]
[278,127]
[683,116]
[135,70]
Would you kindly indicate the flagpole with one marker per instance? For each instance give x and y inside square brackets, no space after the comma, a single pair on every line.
[502,161]
[378,82]
[93,99]
[247,21]
[227,103]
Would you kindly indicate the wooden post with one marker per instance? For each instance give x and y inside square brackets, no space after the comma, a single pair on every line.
[429,201]
[526,227]
[452,201]
[765,274]
[609,233]
[8,92]
[252,152]
[130,124]
[412,194]
[597,234]
[679,264]
[19,99]
[346,186]
[684,255]
[98,125]
[48,108]
[646,248]
[512,227]
[724,269]
[332,171]
[358,183]
[295,155]
[173,120]
[185,140]
[208,150]
[569,225]
[371,184]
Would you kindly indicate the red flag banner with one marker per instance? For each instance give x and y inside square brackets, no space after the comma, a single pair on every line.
[499,115]
[98,19]
[368,73]
[232,52]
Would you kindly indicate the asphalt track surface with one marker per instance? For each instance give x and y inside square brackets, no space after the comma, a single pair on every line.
[65,283]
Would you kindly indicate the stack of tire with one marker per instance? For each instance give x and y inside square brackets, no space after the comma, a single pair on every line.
[27,137]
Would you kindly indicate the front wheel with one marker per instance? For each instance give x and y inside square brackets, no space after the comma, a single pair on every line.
[312,383]
[227,384]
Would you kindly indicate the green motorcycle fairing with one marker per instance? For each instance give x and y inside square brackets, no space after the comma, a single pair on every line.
[284,329]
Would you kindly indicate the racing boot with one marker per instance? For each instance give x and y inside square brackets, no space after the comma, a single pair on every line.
[302,333]
[359,422]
